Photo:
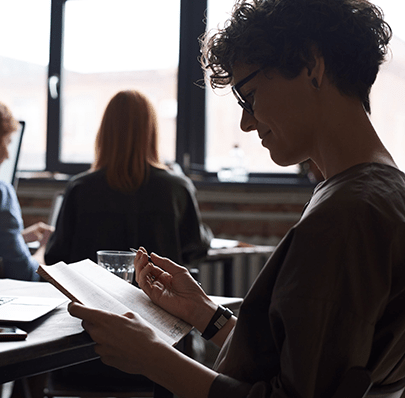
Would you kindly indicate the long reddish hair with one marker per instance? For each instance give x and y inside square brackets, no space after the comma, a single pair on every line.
[127,141]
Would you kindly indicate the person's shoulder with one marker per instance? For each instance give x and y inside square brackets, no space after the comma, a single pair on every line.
[87,180]
[86,176]
[5,186]
[7,191]
[368,182]
[172,177]
[8,199]
[363,190]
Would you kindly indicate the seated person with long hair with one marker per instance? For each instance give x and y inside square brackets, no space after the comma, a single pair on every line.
[128,198]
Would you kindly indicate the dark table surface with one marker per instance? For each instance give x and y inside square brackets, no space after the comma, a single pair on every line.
[55,340]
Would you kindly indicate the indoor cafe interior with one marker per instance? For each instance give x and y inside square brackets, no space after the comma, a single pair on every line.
[61,61]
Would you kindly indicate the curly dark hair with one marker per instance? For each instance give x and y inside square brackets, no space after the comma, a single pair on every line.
[7,122]
[351,35]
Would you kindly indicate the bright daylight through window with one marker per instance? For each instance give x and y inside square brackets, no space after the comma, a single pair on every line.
[111,45]
[24,56]
[387,99]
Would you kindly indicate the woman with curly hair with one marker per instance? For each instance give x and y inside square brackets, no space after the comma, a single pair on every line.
[331,295]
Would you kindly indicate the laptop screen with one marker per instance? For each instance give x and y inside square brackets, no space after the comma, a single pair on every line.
[8,168]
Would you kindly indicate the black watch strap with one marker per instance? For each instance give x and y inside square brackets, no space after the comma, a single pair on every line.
[216,323]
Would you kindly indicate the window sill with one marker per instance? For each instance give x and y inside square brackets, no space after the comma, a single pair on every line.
[255,181]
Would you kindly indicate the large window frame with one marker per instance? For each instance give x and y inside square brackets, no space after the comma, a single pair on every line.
[191,114]
[190,147]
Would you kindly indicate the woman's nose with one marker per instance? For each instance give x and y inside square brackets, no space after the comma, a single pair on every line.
[247,122]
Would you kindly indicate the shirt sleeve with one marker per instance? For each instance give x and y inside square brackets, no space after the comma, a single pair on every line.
[17,262]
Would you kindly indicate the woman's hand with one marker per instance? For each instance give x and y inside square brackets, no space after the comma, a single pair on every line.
[37,232]
[171,286]
[129,344]
[126,342]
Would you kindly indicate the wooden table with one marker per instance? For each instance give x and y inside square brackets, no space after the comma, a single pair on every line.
[54,341]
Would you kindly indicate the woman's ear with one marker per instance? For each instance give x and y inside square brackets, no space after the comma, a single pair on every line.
[316,69]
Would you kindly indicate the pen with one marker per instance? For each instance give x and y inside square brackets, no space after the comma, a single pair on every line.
[150,260]
[136,251]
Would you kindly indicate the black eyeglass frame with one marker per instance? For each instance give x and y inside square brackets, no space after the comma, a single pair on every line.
[247,106]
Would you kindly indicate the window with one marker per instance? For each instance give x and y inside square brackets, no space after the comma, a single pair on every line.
[387,99]
[98,47]
[24,55]
[108,46]
[388,92]
[223,118]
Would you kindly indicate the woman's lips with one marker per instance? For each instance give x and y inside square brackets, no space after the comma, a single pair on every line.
[262,135]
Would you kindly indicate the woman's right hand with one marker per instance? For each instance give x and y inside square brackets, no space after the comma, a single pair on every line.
[171,286]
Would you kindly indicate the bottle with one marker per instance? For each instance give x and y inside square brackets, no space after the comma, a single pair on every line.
[238,169]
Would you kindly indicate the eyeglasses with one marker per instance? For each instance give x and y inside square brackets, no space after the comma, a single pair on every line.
[243,102]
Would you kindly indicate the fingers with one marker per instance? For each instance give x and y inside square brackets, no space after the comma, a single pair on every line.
[148,277]
[98,323]
[86,314]
[145,271]
[140,261]
[166,264]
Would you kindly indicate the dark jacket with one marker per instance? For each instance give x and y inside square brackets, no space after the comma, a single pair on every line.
[162,215]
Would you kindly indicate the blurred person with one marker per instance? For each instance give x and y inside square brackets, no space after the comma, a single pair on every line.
[17,261]
[331,296]
[128,198]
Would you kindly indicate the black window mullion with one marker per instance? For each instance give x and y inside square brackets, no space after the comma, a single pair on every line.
[54,115]
[53,140]
[190,147]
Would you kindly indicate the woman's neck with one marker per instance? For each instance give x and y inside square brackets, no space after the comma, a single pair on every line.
[348,138]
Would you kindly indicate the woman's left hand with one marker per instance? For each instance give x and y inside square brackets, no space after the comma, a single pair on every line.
[124,341]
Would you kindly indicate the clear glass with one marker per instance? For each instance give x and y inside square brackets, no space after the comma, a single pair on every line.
[24,57]
[113,45]
[120,263]
[223,117]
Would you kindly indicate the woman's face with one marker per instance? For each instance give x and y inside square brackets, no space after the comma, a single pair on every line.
[4,143]
[283,114]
